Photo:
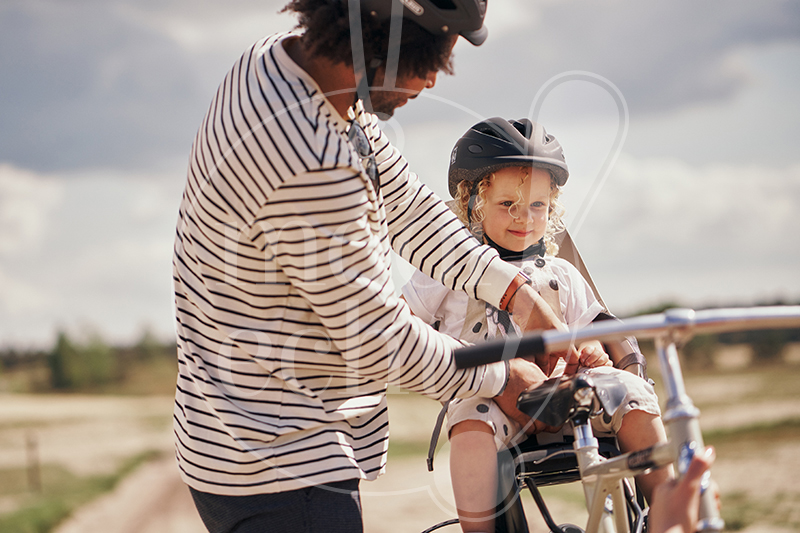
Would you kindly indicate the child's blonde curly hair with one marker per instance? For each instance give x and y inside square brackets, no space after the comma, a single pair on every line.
[474,219]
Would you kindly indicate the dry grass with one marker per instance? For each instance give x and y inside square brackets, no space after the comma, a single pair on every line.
[57,452]
[91,437]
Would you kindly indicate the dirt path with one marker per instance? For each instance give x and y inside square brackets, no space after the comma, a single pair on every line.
[86,434]
[408,499]
[151,500]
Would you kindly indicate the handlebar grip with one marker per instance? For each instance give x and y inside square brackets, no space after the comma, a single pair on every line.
[499,350]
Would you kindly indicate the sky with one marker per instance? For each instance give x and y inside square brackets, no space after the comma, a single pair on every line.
[680,122]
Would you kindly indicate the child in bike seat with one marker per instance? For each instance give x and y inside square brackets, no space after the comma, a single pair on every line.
[505,177]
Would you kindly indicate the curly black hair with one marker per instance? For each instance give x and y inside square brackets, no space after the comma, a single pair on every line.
[327,33]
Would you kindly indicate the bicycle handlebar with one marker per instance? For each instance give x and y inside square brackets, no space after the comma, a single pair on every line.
[668,329]
[680,324]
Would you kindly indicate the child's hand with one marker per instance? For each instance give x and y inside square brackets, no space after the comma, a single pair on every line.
[573,362]
[592,355]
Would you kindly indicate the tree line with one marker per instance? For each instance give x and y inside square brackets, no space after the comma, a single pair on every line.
[767,345]
[92,364]
[82,365]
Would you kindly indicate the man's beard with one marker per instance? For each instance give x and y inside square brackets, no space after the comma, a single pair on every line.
[384,103]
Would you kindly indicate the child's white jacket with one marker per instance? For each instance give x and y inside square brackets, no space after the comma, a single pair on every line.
[559,283]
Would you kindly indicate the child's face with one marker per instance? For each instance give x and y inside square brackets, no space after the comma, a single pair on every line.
[512,223]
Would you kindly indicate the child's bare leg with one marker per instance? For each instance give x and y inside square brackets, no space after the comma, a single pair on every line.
[641,430]
[473,472]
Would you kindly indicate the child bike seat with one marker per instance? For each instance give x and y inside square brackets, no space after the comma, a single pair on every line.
[553,402]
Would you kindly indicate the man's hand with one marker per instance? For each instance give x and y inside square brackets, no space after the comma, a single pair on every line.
[675,503]
[522,376]
[532,313]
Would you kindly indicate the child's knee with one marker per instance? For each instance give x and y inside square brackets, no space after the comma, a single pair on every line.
[640,429]
[638,418]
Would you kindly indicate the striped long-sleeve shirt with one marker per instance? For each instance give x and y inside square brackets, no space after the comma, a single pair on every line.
[289,328]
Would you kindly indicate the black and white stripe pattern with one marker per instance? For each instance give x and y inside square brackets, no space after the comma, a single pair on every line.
[289,329]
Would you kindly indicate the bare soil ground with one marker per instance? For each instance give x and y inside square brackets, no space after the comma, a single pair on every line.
[93,434]
[151,500]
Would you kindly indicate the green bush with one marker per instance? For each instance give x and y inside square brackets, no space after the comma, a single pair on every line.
[75,367]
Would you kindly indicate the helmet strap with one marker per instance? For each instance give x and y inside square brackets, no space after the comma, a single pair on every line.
[538,249]
[360,71]
[393,52]
[473,197]
[365,70]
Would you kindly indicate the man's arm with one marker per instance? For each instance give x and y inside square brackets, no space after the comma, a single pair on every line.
[337,260]
[532,313]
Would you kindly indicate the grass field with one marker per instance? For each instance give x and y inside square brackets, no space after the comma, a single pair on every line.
[86,443]
[58,452]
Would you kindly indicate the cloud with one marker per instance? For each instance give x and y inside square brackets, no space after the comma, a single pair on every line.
[745,207]
[100,101]
[663,228]
[28,206]
[99,254]
[663,56]
[116,83]
[125,82]
[26,202]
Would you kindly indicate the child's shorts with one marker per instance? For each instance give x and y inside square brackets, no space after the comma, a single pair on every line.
[507,432]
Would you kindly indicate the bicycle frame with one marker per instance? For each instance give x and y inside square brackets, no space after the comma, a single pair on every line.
[603,478]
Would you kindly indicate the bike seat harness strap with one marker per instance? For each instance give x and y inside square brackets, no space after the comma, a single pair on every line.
[633,358]
[437,429]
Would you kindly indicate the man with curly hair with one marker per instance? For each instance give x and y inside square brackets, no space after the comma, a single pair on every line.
[289,328]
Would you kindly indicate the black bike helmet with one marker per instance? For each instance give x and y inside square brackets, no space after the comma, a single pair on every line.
[496,143]
[439,17]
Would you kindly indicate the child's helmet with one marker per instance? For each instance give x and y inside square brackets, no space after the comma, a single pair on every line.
[439,17]
[496,143]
